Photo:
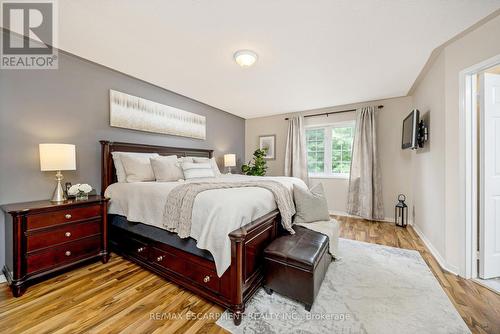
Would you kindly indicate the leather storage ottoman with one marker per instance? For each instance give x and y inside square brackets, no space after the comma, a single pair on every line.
[296,265]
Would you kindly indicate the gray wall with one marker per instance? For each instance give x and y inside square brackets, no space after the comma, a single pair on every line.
[71,105]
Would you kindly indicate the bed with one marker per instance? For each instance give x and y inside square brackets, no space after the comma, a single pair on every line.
[180,260]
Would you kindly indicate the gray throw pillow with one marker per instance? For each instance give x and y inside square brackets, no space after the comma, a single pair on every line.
[311,205]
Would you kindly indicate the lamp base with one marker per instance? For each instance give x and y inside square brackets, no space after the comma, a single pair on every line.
[58,196]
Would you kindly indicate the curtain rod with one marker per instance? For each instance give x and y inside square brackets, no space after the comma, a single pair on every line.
[333,112]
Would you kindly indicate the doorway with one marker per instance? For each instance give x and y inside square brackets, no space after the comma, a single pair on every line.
[481,127]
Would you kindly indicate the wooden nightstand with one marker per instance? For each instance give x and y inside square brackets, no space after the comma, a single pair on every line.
[44,238]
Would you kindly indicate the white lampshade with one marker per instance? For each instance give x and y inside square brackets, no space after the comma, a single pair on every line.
[56,157]
[229,160]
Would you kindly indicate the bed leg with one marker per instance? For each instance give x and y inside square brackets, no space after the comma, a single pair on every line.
[237,314]
[105,258]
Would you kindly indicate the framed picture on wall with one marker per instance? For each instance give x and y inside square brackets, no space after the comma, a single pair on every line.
[268,142]
[132,112]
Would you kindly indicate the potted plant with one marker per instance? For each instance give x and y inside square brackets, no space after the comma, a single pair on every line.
[258,165]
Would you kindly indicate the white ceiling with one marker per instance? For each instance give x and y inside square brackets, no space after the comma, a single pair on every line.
[312,54]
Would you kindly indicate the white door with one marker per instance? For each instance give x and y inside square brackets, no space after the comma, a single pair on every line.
[489,213]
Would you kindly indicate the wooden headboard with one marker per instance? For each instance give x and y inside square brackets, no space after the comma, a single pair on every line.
[108,173]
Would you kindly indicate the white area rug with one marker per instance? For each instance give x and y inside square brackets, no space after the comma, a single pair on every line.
[372,289]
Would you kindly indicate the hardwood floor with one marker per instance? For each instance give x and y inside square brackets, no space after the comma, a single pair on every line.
[121,297]
[117,297]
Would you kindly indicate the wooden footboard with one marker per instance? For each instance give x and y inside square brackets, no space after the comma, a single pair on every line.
[247,261]
[236,286]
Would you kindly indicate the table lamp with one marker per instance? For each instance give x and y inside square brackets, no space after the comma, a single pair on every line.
[57,157]
[229,161]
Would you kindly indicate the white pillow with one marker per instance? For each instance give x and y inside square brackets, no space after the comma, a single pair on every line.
[166,168]
[212,163]
[121,176]
[137,168]
[193,170]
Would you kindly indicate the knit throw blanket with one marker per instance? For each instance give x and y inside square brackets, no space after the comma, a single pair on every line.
[179,207]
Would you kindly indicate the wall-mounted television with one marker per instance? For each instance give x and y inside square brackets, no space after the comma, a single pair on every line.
[411,131]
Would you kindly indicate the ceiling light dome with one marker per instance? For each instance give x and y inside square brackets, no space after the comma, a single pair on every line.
[245,58]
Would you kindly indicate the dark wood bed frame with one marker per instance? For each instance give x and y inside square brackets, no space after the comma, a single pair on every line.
[240,281]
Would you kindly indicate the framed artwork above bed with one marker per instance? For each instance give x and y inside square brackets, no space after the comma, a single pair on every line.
[268,142]
[132,112]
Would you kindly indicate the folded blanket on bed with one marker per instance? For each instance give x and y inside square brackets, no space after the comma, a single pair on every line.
[179,206]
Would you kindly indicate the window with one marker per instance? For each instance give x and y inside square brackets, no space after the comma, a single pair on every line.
[329,149]
[315,150]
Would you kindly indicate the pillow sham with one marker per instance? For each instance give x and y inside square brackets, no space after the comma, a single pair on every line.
[137,168]
[196,170]
[212,163]
[121,176]
[166,168]
[311,205]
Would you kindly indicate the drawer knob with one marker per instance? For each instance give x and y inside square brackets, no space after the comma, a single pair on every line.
[67,216]
[160,258]
[68,253]
[140,249]
[206,279]
[67,234]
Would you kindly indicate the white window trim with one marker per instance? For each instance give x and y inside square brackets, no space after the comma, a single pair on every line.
[327,173]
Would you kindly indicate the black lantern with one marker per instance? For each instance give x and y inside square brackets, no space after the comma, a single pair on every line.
[401,212]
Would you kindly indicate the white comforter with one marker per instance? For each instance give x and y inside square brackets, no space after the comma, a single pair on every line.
[216,213]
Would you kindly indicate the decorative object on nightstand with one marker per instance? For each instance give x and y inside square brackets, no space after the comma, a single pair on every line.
[57,157]
[43,238]
[80,191]
[229,161]
[401,212]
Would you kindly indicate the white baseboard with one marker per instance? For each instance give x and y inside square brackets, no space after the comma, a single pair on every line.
[442,262]
[345,214]
[2,279]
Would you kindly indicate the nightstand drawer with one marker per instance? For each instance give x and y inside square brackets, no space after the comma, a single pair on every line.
[63,234]
[63,216]
[64,254]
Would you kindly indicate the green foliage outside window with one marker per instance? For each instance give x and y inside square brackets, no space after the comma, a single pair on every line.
[341,149]
[338,151]
[315,139]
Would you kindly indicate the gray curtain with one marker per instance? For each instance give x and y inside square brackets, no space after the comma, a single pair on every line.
[365,183]
[295,152]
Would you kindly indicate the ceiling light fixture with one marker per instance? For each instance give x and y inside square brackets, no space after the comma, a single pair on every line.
[245,58]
